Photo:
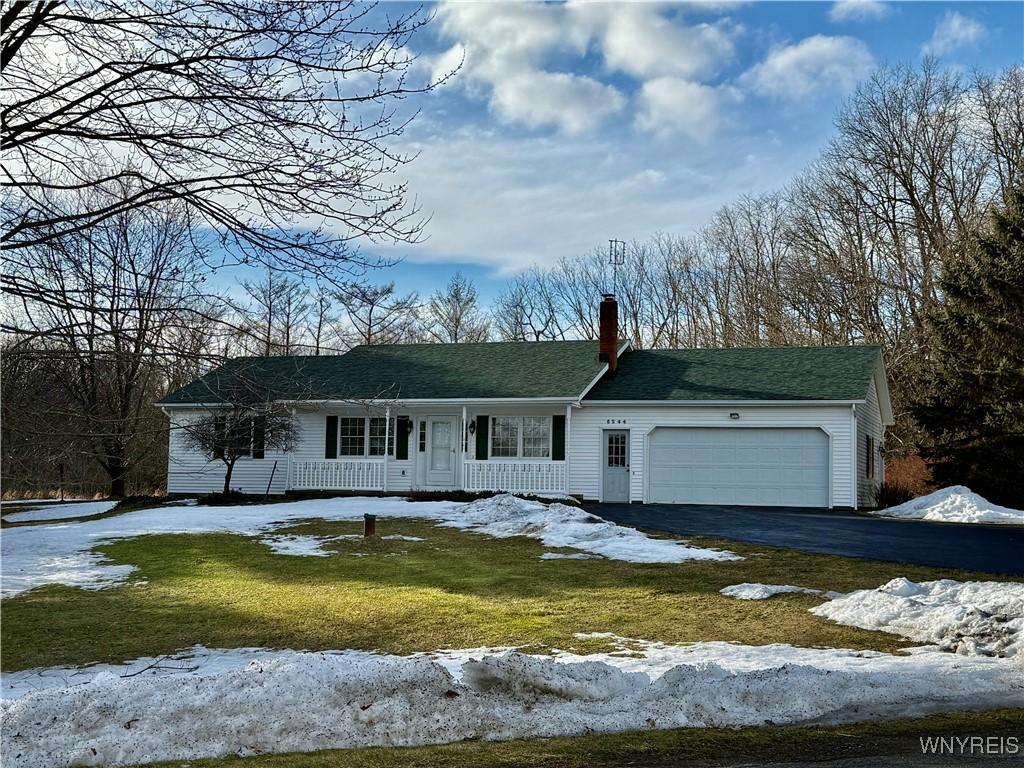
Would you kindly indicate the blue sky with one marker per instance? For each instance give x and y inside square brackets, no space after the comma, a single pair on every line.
[569,124]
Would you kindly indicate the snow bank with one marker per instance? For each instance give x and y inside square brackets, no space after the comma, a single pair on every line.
[60,511]
[956,504]
[60,553]
[558,525]
[971,618]
[750,591]
[284,701]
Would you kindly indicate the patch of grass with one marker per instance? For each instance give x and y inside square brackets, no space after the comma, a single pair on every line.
[681,747]
[454,589]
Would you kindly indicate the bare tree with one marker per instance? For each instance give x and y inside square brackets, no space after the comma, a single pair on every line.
[268,123]
[320,321]
[274,313]
[245,426]
[529,309]
[453,314]
[377,315]
[123,291]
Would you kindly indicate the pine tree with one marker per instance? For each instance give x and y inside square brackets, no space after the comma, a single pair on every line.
[974,412]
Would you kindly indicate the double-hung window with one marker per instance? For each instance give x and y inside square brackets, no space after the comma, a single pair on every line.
[351,436]
[526,437]
[360,436]
[378,432]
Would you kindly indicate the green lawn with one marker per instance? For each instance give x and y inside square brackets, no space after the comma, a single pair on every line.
[454,589]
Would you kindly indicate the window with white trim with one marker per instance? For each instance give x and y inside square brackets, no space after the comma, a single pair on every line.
[514,437]
[536,437]
[351,436]
[365,436]
[378,432]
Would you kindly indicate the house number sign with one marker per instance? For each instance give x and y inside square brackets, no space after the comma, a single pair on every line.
[615,421]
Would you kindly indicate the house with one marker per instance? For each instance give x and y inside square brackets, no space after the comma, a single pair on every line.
[795,426]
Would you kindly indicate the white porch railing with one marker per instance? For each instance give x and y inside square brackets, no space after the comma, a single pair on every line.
[514,476]
[338,475]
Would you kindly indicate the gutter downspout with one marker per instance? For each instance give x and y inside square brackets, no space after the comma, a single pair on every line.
[853,452]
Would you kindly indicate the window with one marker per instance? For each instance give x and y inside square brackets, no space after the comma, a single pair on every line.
[527,437]
[351,436]
[359,436]
[235,437]
[869,456]
[536,437]
[616,449]
[378,432]
[504,437]
[423,436]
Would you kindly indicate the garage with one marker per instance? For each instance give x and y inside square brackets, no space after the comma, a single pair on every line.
[739,465]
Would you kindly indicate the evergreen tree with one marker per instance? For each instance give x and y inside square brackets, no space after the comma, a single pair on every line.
[974,412]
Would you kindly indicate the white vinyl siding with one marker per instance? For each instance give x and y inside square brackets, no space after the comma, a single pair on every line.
[584,443]
[869,425]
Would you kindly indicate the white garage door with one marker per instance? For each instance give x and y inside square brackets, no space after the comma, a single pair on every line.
[740,465]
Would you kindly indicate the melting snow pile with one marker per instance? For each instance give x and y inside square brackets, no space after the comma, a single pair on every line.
[956,504]
[61,553]
[559,525]
[296,701]
[971,618]
[749,591]
[60,511]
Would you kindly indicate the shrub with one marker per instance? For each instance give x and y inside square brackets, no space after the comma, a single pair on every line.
[891,493]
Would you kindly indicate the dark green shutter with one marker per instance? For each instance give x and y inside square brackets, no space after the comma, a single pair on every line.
[402,438]
[558,438]
[331,439]
[259,436]
[482,423]
[220,429]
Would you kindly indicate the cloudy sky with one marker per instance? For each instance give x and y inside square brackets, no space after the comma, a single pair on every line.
[569,124]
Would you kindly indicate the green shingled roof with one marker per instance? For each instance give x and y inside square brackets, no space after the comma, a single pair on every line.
[503,370]
[765,373]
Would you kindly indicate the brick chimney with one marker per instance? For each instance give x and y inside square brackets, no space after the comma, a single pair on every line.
[609,347]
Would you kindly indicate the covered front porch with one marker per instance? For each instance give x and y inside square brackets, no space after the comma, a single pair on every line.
[473,447]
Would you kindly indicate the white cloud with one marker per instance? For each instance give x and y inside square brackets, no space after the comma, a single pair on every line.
[508,51]
[815,64]
[858,10]
[671,105]
[508,202]
[953,30]
[638,40]
[576,104]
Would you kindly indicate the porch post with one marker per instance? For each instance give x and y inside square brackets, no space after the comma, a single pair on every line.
[464,438]
[387,434]
[288,477]
[568,432]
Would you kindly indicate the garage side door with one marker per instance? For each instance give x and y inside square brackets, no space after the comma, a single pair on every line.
[749,466]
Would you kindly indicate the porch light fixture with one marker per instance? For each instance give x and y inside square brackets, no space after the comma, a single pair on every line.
[734,415]
[408,426]
[472,427]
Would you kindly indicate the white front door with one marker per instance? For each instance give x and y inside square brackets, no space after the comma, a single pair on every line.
[441,450]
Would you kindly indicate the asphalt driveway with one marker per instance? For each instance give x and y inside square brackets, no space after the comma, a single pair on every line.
[997,549]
